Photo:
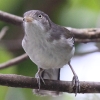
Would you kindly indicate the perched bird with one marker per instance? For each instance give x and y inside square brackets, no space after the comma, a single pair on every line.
[49,46]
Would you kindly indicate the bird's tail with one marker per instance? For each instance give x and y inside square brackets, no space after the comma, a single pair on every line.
[53,74]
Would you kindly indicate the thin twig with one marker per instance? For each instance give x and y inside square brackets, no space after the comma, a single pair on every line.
[14,61]
[10,18]
[87,40]
[3,32]
[87,33]
[13,80]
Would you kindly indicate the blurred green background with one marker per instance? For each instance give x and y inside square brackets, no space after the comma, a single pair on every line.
[70,13]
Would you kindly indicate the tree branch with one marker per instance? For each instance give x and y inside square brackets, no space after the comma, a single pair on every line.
[89,33]
[54,85]
[10,18]
[87,40]
[13,61]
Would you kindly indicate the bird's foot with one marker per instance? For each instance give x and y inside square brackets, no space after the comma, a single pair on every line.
[40,77]
[76,84]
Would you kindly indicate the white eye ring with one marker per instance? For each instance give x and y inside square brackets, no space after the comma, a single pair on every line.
[40,16]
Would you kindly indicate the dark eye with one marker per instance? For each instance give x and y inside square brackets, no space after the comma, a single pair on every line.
[23,19]
[40,16]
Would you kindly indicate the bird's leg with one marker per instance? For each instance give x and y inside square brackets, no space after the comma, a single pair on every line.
[39,78]
[75,81]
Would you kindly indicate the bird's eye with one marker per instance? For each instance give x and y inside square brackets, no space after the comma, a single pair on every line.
[40,16]
[23,19]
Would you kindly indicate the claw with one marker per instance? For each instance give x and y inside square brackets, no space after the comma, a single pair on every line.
[75,81]
[76,84]
[40,78]
[38,81]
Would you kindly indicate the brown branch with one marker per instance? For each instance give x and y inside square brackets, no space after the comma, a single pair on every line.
[3,32]
[87,40]
[54,85]
[89,33]
[13,61]
[10,18]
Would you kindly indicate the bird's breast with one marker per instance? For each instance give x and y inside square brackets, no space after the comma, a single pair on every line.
[45,54]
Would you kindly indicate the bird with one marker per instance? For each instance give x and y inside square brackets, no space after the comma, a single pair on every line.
[49,46]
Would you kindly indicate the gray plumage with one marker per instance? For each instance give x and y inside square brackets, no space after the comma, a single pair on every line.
[48,45]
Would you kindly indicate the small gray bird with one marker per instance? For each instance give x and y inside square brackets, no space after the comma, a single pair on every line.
[49,46]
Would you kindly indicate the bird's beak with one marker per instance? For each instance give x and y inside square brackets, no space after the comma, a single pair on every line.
[28,19]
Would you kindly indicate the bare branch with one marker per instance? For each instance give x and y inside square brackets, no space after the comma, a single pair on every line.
[87,40]
[10,18]
[3,32]
[13,61]
[54,85]
[88,33]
